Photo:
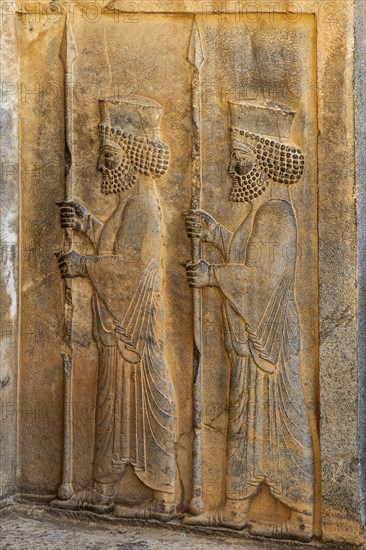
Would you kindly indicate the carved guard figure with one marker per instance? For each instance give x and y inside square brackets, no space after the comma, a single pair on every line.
[269,439]
[135,408]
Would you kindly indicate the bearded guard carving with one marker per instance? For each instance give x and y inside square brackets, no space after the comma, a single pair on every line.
[269,440]
[138,153]
[281,163]
[268,159]
[135,409]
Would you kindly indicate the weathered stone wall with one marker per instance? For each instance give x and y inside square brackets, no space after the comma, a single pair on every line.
[10,253]
[299,55]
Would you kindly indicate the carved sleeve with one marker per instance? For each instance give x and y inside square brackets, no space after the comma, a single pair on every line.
[233,279]
[261,290]
[136,244]
[222,240]
[93,230]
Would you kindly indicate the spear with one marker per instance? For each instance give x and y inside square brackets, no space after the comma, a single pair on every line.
[68,55]
[196,58]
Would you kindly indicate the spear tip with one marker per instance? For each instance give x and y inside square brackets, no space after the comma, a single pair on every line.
[195,55]
[68,52]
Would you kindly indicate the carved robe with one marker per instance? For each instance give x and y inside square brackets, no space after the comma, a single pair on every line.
[135,409]
[269,438]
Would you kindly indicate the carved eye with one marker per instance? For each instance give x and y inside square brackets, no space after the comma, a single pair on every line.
[108,154]
[238,169]
[243,167]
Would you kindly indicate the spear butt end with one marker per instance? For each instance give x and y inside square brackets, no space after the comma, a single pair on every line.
[65,491]
[196,506]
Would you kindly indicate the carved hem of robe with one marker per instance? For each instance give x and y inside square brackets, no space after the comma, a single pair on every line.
[269,438]
[135,416]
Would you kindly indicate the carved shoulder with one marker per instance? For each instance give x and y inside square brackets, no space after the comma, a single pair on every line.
[142,205]
[275,220]
[273,242]
[140,226]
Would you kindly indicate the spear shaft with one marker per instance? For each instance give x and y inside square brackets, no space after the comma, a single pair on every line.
[196,58]
[68,56]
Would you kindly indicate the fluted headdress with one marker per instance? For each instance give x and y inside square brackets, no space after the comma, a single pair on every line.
[265,126]
[134,125]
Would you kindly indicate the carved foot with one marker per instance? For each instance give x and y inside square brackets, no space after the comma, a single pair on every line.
[88,500]
[226,517]
[156,509]
[299,528]
[163,509]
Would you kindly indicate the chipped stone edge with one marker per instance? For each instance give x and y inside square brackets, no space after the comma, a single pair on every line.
[360,150]
[9,248]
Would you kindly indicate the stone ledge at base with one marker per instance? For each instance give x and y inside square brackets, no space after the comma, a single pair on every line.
[29,525]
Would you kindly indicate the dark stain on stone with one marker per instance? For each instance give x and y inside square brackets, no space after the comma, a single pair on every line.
[4,382]
[354,465]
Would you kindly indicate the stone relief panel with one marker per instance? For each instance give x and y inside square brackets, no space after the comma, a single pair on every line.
[184,297]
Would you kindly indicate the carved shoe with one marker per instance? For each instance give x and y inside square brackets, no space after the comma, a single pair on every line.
[153,510]
[89,500]
[291,529]
[226,517]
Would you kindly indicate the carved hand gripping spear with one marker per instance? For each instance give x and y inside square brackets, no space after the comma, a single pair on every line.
[68,55]
[196,58]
